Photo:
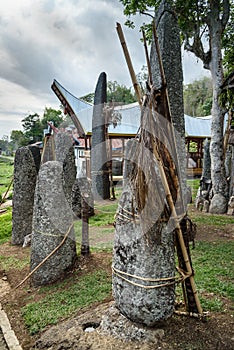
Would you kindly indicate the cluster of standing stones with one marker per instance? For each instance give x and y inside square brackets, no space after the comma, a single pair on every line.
[47,196]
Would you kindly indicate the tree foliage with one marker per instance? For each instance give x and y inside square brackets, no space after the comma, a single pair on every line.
[194,18]
[32,128]
[198,97]
[119,93]
[227,44]
[206,28]
[53,115]
[18,138]
[116,92]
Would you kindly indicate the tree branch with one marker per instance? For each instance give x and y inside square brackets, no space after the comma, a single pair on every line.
[226,13]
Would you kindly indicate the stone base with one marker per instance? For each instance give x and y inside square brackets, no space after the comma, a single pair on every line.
[115,324]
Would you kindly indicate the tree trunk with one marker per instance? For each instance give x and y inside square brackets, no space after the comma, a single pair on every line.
[220,188]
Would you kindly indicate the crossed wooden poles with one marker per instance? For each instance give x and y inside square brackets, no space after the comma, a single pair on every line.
[188,274]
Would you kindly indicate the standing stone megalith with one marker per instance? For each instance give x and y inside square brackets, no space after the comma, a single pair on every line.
[82,185]
[99,168]
[52,220]
[143,258]
[206,166]
[26,166]
[170,49]
[64,153]
[143,253]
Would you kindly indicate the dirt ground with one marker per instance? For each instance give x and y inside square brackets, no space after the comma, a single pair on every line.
[214,332]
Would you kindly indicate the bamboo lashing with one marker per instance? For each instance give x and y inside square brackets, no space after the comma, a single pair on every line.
[129,63]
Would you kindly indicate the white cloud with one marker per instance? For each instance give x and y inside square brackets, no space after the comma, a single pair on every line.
[72,41]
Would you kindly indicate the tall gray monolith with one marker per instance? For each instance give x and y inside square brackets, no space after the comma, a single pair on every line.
[170,48]
[99,168]
[26,166]
[206,166]
[141,267]
[64,153]
[82,185]
[143,258]
[52,220]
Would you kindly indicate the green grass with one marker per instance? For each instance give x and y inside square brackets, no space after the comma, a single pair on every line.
[194,184]
[214,273]
[6,262]
[104,214]
[62,303]
[100,226]
[6,172]
[211,219]
[5,226]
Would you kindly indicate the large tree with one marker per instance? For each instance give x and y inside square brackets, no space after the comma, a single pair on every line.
[204,26]
[117,93]
[18,138]
[32,128]
[53,115]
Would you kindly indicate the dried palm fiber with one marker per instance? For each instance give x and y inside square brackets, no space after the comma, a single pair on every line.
[144,242]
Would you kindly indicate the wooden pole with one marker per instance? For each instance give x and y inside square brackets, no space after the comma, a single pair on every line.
[159,55]
[129,63]
[147,58]
[46,258]
[8,188]
[178,228]
[164,179]
[85,251]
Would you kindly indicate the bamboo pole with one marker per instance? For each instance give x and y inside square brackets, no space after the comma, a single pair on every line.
[165,183]
[178,228]
[147,58]
[46,258]
[129,62]
[8,188]
[158,54]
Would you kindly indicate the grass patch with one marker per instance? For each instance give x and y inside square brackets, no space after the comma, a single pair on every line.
[104,214]
[211,219]
[61,303]
[7,262]
[5,226]
[194,184]
[213,264]
[6,172]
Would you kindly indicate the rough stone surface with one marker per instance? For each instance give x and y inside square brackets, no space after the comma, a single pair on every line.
[64,153]
[26,166]
[218,204]
[206,169]
[170,48]
[73,334]
[117,325]
[82,185]
[52,219]
[99,169]
[231,206]
[133,255]
[129,159]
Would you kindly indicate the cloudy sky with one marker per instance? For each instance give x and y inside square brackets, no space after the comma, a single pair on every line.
[72,41]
